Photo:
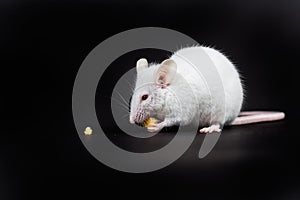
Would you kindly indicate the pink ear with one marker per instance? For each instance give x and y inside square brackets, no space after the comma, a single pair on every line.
[166,73]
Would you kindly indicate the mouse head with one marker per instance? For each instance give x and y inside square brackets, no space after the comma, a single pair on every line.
[151,89]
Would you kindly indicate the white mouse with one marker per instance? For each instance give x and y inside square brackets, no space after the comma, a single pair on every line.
[173,92]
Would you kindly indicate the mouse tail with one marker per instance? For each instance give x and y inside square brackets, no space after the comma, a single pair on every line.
[250,117]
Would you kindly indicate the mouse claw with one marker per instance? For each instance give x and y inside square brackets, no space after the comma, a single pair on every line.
[212,128]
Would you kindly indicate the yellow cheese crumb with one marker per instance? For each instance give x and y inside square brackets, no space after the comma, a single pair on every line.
[88,131]
[149,122]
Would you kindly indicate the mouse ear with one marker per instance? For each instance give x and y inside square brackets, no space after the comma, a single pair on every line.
[166,73]
[141,64]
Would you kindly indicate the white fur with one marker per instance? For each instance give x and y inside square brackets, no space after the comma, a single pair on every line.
[187,93]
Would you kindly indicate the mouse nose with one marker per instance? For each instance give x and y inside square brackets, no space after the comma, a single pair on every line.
[131,120]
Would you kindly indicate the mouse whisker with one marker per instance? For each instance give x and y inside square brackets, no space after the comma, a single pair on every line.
[121,104]
[125,116]
[129,84]
[123,99]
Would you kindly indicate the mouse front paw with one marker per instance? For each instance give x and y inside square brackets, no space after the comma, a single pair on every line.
[155,127]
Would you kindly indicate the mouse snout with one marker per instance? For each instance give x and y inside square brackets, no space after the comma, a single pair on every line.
[131,120]
[138,118]
[134,120]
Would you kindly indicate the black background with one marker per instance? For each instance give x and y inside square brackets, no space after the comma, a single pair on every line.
[42,45]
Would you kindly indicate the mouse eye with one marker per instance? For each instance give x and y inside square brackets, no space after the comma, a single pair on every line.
[144,97]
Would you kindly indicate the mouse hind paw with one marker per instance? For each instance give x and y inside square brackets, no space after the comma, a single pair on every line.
[211,129]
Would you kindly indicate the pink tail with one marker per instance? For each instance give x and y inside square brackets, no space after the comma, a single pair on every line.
[257,116]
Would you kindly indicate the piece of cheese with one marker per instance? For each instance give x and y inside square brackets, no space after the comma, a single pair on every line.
[88,131]
[149,122]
